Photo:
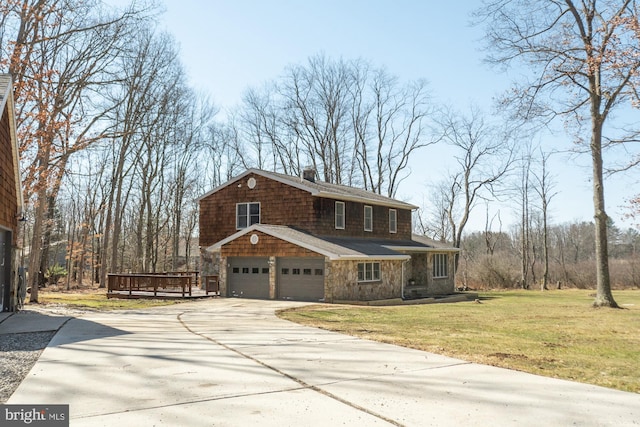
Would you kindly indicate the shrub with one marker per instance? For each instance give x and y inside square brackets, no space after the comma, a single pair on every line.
[55,273]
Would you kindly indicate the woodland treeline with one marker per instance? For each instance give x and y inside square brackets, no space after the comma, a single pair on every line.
[494,259]
[116,146]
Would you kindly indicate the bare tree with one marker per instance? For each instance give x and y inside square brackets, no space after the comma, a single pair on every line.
[491,237]
[432,219]
[544,188]
[61,54]
[483,156]
[583,60]
[317,104]
[355,125]
[400,115]
[525,220]
[191,122]
[138,96]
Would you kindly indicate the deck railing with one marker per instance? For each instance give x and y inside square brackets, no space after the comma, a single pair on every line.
[177,282]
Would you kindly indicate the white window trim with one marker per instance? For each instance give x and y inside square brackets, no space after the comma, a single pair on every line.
[370,209]
[344,220]
[395,221]
[372,265]
[442,260]
[247,204]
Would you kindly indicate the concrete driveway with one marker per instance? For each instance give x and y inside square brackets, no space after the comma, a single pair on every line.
[231,362]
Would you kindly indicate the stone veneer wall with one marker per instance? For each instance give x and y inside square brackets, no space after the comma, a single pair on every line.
[341,282]
[223,276]
[420,268]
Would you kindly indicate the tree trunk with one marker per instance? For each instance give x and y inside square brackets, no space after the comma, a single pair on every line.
[604,297]
[35,253]
[545,246]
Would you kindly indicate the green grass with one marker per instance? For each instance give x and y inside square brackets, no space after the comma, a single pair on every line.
[99,301]
[553,333]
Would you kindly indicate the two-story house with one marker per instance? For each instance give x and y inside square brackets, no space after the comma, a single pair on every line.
[10,195]
[286,237]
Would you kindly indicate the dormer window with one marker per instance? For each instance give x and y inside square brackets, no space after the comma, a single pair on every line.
[368,218]
[247,214]
[340,215]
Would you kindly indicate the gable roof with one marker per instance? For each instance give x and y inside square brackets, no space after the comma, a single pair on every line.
[343,248]
[319,245]
[320,189]
[6,104]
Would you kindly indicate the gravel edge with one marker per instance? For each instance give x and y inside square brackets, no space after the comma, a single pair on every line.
[18,353]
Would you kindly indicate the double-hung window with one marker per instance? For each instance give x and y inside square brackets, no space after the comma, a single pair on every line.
[393,221]
[247,214]
[368,271]
[440,266]
[340,215]
[368,218]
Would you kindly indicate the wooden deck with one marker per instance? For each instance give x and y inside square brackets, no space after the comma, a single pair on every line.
[180,285]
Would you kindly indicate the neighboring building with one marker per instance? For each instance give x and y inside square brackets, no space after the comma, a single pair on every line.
[275,236]
[10,196]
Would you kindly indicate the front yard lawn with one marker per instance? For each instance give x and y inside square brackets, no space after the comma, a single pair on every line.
[552,333]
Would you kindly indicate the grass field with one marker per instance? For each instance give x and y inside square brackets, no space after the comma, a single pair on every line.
[553,333]
[97,300]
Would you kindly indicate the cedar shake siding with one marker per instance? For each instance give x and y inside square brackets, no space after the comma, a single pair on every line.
[8,196]
[267,245]
[282,204]
[325,211]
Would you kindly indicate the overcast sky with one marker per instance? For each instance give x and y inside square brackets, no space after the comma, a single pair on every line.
[229,46]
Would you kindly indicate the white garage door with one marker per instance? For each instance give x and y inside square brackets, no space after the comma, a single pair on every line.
[300,279]
[248,277]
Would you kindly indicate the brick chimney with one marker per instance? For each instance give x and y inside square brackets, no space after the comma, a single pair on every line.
[309,174]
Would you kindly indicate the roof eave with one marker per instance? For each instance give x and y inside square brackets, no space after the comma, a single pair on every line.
[216,247]
[299,183]
[390,203]
[364,257]
[420,249]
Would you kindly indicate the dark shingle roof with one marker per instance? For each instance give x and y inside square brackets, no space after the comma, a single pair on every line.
[385,246]
[322,189]
[339,248]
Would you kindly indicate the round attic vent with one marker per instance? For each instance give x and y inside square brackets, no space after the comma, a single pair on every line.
[251,182]
[254,239]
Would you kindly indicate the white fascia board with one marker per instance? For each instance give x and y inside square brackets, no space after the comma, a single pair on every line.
[226,184]
[416,249]
[331,255]
[266,230]
[364,257]
[216,246]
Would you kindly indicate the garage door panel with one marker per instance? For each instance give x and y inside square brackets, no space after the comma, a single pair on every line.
[248,277]
[301,279]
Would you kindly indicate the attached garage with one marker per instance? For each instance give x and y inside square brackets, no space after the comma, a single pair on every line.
[248,277]
[300,278]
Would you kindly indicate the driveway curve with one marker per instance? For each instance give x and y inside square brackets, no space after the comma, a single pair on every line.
[232,362]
